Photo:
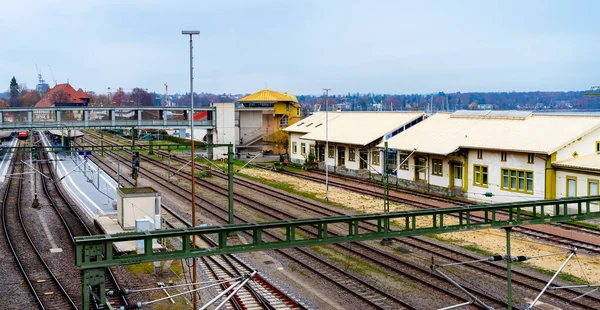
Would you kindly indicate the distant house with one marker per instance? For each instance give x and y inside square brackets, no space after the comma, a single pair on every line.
[61,95]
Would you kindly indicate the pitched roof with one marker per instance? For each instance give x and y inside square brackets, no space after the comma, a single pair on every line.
[444,133]
[359,128]
[267,95]
[74,96]
[586,162]
[308,124]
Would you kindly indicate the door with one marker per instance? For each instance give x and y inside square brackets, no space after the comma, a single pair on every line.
[392,161]
[571,187]
[420,168]
[321,152]
[341,156]
[458,175]
[364,157]
[593,189]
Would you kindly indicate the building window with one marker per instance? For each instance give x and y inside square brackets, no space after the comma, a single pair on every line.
[294,147]
[298,111]
[503,156]
[597,146]
[287,107]
[480,175]
[593,188]
[458,172]
[403,162]
[530,158]
[376,158]
[438,168]
[571,186]
[321,152]
[479,154]
[303,148]
[331,151]
[351,154]
[517,180]
[283,122]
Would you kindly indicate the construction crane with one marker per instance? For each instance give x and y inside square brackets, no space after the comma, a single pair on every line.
[55,83]
[594,91]
[166,94]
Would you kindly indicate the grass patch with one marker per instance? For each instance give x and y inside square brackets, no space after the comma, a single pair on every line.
[292,189]
[348,262]
[564,276]
[442,239]
[142,268]
[478,250]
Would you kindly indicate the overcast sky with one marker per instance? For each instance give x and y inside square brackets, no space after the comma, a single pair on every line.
[303,46]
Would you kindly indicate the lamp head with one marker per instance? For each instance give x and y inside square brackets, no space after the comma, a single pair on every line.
[190,32]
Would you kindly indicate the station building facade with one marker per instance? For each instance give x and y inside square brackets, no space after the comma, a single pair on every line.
[500,156]
[346,142]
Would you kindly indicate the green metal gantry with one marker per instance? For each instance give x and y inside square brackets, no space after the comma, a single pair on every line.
[93,253]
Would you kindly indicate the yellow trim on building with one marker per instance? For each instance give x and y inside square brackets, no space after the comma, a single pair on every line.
[592,181]
[550,191]
[465,187]
[475,168]
[597,146]
[294,147]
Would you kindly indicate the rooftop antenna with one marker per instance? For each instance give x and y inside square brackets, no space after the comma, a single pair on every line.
[52,75]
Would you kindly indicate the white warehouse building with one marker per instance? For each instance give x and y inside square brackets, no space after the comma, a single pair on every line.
[351,137]
[500,156]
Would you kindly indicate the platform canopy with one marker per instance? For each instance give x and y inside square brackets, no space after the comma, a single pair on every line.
[267,95]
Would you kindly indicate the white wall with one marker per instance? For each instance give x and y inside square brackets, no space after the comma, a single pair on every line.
[298,157]
[585,146]
[582,182]
[514,161]
[250,124]
[225,132]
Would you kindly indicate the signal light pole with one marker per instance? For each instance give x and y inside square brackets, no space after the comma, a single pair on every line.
[194,265]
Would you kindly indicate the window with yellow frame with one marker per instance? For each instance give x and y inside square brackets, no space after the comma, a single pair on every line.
[294,147]
[515,180]
[331,152]
[351,154]
[597,146]
[480,175]
[592,188]
[376,158]
[303,148]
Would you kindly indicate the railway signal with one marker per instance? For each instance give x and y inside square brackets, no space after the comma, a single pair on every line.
[135,165]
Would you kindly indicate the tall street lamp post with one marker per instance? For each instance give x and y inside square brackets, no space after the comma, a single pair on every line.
[194,266]
[326,142]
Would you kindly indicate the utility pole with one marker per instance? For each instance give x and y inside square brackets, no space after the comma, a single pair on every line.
[326,142]
[194,266]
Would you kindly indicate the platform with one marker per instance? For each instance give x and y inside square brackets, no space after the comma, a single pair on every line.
[6,158]
[109,225]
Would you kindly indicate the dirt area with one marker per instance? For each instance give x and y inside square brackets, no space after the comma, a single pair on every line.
[489,240]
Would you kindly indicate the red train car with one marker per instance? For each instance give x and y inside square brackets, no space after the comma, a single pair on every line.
[23,135]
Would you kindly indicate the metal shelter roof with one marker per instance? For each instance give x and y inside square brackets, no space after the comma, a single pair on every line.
[444,133]
[586,162]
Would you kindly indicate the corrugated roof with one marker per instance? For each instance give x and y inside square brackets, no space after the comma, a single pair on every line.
[588,162]
[443,134]
[359,128]
[267,95]
[492,114]
[309,124]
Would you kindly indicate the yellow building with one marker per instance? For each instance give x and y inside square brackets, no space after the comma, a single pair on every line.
[264,113]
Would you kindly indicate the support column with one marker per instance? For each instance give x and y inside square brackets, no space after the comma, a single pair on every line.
[230,181]
[92,282]
[508,259]
[209,141]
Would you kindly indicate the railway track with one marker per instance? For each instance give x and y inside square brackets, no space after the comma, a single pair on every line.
[546,235]
[367,293]
[526,281]
[392,265]
[259,293]
[48,291]
[72,222]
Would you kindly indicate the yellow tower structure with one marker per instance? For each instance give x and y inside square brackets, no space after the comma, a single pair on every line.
[273,111]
